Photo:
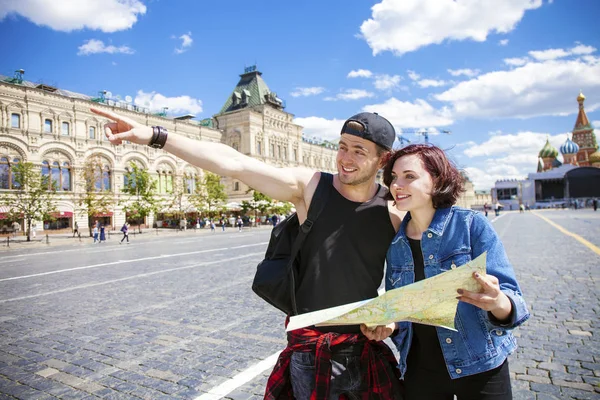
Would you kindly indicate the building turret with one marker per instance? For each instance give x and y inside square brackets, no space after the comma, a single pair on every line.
[548,155]
[583,135]
[569,151]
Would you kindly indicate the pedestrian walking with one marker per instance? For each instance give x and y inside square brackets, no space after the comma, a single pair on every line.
[486,207]
[521,208]
[102,234]
[95,234]
[239,223]
[75,229]
[274,220]
[212,226]
[437,363]
[125,230]
[497,209]
[16,228]
[332,272]
[33,229]
[222,223]
[595,204]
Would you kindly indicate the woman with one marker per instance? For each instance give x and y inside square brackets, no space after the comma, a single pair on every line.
[435,236]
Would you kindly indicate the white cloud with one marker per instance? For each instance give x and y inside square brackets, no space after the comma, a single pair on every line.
[386,82]
[521,143]
[507,156]
[425,83]
[186,43]
[350,94]
[320,127]
[307,91]
[402,26]
[550,54]
[156,102]
[503,42]
[465,71]
[534,89]
[69,15]
[403,114]
[413,75]
[583,49]
[360,73]
[516,61]
[94,46]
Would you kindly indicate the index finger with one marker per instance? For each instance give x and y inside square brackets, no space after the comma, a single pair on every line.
[113,116]
[106,114]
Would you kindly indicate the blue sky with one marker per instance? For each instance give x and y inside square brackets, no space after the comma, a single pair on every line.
[501,76]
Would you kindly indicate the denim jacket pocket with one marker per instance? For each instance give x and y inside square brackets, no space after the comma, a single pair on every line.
[455,259]
[400,275]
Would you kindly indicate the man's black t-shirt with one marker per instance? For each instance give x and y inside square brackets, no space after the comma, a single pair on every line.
[342,260]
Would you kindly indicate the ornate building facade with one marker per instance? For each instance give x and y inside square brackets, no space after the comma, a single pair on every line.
[558,183]
[55,129]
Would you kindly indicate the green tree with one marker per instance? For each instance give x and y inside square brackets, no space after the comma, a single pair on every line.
[141,189]
[33,198]
[209,193]
[93,200]
[260,202]
[177,201]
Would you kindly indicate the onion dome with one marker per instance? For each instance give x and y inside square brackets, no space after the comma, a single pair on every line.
[569,147]
[581,97]
[548,151]
[595,157]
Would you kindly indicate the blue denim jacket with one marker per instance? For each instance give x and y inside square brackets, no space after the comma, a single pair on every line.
[455,236]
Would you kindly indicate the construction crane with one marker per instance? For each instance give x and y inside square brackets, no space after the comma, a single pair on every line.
[402,140]
[420,132]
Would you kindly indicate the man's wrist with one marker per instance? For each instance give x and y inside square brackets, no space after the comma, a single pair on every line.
[159,137]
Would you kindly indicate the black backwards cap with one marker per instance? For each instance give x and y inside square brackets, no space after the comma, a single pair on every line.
[376,129]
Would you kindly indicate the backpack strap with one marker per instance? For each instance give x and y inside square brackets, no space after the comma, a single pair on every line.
[317,205]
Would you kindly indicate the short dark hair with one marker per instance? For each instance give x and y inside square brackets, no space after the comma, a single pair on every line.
[448,183]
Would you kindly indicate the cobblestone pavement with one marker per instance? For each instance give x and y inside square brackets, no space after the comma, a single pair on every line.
[175,317]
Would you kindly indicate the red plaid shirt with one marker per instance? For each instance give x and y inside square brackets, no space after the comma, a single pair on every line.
[380,385]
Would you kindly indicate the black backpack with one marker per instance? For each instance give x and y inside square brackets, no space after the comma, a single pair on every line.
[275,278]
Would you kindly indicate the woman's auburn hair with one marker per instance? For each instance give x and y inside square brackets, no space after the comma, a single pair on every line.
[448,183]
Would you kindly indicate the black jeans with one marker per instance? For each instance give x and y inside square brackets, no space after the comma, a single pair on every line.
[490,385]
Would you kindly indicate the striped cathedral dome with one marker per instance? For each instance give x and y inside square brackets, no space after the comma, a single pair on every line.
[569,147]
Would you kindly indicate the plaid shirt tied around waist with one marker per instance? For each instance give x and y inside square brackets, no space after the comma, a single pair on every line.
[377,356]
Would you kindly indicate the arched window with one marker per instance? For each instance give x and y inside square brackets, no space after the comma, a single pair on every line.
[47,126]
[15,120]
[236,186]
[46,172]
[165,179]
[92,132]
[56,175]
[106,177]
[235,146]
[65,172]
[65,131]
[8,178]
[190,182]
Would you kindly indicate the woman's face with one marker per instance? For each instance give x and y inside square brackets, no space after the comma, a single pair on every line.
[411,184]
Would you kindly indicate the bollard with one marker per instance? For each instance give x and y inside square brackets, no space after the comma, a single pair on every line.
[156,231]
[8,241]
[47,239]
[79,236]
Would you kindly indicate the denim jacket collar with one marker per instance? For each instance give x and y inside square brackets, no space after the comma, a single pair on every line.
[437,225]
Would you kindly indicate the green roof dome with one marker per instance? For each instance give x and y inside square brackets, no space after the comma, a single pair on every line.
[548,150]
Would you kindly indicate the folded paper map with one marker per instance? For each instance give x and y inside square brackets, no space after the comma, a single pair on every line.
[431,301]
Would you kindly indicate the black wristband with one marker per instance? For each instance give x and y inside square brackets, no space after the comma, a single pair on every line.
[159,137]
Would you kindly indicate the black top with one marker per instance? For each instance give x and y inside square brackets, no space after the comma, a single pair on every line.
[342,259]
[425,350]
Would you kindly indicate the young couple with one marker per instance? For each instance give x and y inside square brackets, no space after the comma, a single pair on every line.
[414,223]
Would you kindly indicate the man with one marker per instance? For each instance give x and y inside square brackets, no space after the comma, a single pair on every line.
[341,260]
